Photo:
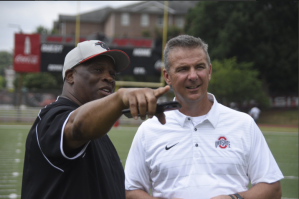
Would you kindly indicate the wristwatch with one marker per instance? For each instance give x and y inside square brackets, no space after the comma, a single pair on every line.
[238,196]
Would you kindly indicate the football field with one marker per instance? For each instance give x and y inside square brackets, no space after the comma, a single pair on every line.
[283,143]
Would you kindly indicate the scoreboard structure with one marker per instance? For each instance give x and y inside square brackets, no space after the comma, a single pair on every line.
[46,53]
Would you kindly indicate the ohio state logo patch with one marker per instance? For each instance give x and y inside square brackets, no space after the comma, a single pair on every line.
[222,142]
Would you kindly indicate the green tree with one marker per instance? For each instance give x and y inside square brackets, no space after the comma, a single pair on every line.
[265,33]
[5,60]
[158,32]
[43,30]
[34,81]
[146,33]
[2,82]
[173,31]
[236,82]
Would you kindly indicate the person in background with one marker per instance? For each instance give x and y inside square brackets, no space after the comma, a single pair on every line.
[205,150]
[254,113]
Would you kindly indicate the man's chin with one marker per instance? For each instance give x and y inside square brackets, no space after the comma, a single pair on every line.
[195,98]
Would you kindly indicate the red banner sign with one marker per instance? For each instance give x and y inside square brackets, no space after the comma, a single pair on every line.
[146,43]
[27,53]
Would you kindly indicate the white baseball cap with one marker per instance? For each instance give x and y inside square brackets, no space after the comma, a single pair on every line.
[92,48]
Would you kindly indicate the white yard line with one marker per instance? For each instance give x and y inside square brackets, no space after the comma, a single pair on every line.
[276,132]
[15,126]
[291,177]
[289,198]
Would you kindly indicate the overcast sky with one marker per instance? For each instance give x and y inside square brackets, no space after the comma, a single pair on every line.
[29,14]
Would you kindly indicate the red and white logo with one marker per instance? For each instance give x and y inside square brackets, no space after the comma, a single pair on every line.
[27,53]
[222,142]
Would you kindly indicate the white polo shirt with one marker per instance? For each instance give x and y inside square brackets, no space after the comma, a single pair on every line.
[187,159]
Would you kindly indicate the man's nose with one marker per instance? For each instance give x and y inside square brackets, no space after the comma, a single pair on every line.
[108,78]
[193,75]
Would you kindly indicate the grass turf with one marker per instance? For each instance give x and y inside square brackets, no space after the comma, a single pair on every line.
[279,117]
[283,143]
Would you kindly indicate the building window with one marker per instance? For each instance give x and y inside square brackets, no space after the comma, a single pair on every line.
[144,20]
[179,22]
[170,20]
[160,21]
[62,29]
[125,19]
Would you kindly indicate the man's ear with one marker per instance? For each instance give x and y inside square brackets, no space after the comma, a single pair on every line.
[69,76]
[210,72]
[166,77]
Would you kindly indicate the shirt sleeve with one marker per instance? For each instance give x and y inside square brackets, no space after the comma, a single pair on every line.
[49,133]
[262,165]
[137,172]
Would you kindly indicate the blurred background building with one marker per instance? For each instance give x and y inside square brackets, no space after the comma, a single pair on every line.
[143,19]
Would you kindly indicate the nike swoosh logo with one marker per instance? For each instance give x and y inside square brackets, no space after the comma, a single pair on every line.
[167,148]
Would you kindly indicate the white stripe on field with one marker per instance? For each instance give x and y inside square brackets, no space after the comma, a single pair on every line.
[15,126]
[9,185]
[289,198]
[291,177]
[12,195]
[8,190]
[276,132]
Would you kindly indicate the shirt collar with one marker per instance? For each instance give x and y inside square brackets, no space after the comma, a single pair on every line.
[212,115]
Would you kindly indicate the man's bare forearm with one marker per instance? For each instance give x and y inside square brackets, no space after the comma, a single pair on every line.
[94,119]
[263,191]
[91,120]
[259,191]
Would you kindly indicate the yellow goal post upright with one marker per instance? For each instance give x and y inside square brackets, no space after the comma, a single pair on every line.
[119,84]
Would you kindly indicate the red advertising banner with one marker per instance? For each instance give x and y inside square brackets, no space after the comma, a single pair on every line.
[27,53]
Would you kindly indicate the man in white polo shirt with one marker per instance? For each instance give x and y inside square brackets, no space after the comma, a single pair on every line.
[205,150]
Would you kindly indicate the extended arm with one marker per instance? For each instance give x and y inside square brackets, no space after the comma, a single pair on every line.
[94,119]
[260,191]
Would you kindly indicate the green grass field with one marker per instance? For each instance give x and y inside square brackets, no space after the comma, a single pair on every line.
[283,143]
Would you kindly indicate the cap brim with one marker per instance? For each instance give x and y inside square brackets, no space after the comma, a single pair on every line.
[122,60]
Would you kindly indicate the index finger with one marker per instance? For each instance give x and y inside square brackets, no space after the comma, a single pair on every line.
[160,91]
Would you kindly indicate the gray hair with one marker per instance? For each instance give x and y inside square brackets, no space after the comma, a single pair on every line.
[185,41]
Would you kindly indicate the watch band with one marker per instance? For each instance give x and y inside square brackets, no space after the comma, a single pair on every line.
[238,196]
[231,196]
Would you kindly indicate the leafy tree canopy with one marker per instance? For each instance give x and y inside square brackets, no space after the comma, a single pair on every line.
[173,31]
[2,82]
[39,81]
[264,33]
[5,60]
[43,30]
[236,82]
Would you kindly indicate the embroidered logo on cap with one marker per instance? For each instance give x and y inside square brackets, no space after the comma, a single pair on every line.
[222,143]
[102,44]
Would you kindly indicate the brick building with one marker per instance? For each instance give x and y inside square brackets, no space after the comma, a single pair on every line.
[130,21]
